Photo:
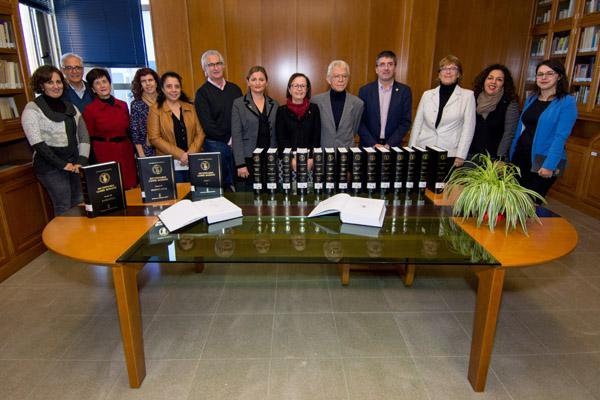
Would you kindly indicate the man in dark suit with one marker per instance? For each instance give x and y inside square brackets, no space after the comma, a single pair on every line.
[388,106]
[77,91]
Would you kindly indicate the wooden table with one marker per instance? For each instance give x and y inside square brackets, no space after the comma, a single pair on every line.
[84,239]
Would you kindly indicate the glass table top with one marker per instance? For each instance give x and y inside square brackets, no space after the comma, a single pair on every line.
[275,229]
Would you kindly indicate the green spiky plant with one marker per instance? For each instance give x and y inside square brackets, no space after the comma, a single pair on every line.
[490,189]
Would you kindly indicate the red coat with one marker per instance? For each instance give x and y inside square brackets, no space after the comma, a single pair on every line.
[106,121]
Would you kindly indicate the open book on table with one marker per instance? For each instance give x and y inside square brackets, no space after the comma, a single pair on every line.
[353,210]
[186,212]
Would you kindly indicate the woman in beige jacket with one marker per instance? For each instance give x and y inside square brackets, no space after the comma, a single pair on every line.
[173,127]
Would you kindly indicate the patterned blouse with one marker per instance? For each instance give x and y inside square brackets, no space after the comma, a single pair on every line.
[139,126]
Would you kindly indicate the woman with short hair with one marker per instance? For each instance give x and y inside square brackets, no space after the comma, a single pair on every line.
[446,114]
[107,120]
[59,138]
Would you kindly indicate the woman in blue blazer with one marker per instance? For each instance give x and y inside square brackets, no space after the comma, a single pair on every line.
[538,147]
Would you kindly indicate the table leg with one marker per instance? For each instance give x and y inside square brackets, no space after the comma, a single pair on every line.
[128,305]
[489,294]
[409,274]
[345,273]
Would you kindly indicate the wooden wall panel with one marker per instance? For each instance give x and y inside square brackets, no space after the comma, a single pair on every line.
[386,25]
[172,39]
[483,32]
[279,55]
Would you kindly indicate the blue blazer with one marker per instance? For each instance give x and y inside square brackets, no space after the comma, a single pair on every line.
[80,103]
[553,129]
[398,119]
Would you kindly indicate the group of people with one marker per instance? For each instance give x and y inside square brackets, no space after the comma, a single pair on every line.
[74,122]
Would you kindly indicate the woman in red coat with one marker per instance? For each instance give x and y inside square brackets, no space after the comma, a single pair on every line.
[107,119]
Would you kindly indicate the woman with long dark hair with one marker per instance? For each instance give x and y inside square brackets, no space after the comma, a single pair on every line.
[145,88]
[173,127]
[497,112]
[538,147]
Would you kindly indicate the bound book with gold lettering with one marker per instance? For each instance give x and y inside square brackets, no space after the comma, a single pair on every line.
[102,187]
[205,172]
[157,178]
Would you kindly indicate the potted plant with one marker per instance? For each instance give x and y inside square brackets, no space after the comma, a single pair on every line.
[490,192]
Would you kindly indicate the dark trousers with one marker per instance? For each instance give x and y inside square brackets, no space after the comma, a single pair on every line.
[531,180]
[63,187]
[226,159]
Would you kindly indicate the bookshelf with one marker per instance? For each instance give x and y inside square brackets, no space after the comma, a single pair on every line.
[569,30]
[24,208]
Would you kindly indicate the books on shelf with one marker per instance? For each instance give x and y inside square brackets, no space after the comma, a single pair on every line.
[538,46]
[560,45]
[592,6]
[564,10]
[583,71]
[6,38]
[353,210]
[10,75]
[589,39]
[543,18]
[542,3]
[8,108]
[581,94]
[186,212]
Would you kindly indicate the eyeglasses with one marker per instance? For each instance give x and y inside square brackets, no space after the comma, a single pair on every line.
[383,65]
[547,74]
[217,64]
[449,69]
[72,68]
[298,86]
[340,77]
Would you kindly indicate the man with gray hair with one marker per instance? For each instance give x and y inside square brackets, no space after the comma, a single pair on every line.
[340,111]
[77,91]
[214,102]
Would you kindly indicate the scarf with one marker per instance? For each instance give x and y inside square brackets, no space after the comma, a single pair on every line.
[149,99]
[487,103]
[298,109]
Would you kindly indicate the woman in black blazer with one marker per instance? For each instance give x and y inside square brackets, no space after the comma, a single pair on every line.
[252,121]
[298,121]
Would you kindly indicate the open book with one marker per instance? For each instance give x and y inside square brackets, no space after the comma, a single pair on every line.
[186,212]
[353,210]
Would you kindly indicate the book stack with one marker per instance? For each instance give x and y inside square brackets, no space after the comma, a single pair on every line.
[538,47]
[10,75]
[6,38]
[583,71]
[8,108]
[560,45]
[589,39]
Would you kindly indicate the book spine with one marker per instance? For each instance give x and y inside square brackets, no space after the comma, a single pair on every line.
[357,166]
[410,171]
[257,172]
[424,171]
[318,170]
[330,171]
[441,171]
[89,210]
[343,171]
[302,171]
[272,171]
[385,170]
[399,170]
[286,171]
[371,171]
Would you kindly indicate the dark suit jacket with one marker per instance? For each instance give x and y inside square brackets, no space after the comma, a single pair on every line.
[398,119]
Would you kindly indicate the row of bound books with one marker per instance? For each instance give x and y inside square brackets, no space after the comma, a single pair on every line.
[353,169]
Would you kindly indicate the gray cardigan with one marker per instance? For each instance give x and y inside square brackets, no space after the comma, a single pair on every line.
[244,126]
[343,136]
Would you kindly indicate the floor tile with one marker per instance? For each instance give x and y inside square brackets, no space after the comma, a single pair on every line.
[165,379]
[382,378]
[19,377]
[308,379]
[584,368]
[176,337]
[239,336]
[247,298]
[369,335]
[433,334]
[231,380]
[305,336]
[190,300]
[458,293]
[537,377]
[361,295]
[303,296]
[421,296]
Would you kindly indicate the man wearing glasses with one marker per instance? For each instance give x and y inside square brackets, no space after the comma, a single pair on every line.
[214,102]
[388,106]
[77,91]
[340,111]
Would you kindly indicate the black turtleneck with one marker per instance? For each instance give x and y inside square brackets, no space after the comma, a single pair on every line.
[56,105]
[337,105]
[110,100]
[445,93]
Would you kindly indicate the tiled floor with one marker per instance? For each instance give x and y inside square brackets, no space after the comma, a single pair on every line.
[292,332]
